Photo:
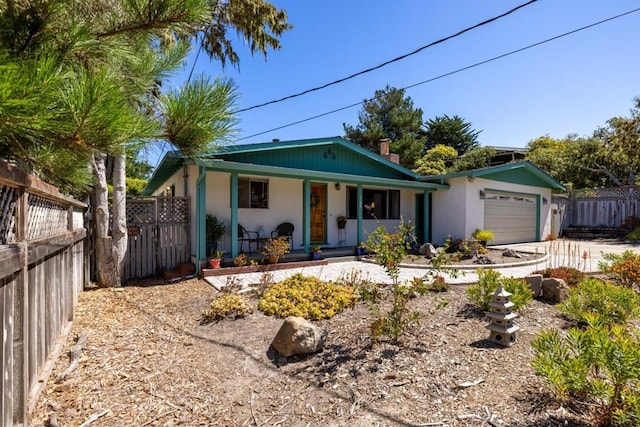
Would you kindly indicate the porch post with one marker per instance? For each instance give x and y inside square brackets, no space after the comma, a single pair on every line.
[306,215]
[233,191]
[360,200]
[201,213]
[426,220]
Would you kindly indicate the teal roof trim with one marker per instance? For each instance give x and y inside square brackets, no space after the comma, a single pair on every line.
[171,162]
[525,173]
[276,171]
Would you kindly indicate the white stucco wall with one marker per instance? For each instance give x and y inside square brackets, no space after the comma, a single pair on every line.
[459,211]
[285,205]
[449,211]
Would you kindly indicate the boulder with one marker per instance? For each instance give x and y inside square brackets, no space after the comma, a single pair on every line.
[535,284]
[298,336]
[427,250]
[511,253]
[485,260]
[555,290]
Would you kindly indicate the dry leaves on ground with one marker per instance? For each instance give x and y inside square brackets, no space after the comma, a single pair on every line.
[149,361]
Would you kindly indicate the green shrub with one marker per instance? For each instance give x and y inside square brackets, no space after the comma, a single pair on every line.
[307,297]
[599,365]
[522,294]
[226,306]
[570,275]
[623,268]
[135,186]
[596,303]
[634,235]
[482,292]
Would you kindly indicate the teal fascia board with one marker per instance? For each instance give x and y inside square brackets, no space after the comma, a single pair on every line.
[170,164]
[518,173]
[276,171]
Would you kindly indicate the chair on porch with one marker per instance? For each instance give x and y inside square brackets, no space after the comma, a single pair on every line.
[249,237]
[284,230]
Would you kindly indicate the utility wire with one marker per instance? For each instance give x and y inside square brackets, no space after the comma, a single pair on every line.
[468,67]
[391,61]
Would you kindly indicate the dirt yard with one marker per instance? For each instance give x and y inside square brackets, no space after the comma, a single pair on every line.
[149,361]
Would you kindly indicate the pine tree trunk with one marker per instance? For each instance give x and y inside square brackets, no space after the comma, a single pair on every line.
[119,228]
[106,264]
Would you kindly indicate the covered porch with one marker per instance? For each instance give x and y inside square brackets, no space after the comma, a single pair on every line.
[311,200]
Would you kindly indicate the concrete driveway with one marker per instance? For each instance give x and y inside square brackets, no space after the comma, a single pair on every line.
[559,253]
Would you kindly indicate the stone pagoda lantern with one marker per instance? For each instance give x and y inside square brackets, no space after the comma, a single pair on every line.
[503,330]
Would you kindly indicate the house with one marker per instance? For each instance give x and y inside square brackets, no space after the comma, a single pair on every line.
[308,183]
[311,183]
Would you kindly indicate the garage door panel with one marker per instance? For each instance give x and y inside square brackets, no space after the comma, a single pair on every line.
[511,217]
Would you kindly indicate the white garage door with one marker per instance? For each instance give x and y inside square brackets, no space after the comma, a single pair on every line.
[511,217]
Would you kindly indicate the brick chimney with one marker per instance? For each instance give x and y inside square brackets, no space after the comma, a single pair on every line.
[384,151]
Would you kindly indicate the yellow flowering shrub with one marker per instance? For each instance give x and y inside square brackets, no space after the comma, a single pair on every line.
[227,305]
[307,297]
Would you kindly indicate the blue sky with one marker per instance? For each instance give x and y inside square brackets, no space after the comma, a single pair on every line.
[571,85]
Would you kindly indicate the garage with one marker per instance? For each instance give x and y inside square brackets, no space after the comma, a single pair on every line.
[512,217]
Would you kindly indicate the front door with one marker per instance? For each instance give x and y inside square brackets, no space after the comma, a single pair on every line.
[318,213]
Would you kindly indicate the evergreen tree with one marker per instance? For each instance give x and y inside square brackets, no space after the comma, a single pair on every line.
[389,114]
[453,132]
[81,79]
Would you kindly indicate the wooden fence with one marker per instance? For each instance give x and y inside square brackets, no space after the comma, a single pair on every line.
[41,274]
[606,207]
[158,229]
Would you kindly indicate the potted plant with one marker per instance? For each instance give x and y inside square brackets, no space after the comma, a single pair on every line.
[483,236]
[215,259]
[274,249]
[361,248]
[214,230]
[316,251]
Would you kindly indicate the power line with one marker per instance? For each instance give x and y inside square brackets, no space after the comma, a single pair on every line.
[441,76]
[399,58]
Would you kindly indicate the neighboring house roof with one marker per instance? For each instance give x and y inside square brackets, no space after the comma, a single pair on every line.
[525,173]
[329,159]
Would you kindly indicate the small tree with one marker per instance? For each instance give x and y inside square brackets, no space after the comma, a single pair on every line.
[388,250]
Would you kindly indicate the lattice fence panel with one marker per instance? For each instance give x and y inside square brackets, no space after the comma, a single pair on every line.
[8,197]
[173,210]
[45,217]
[140,211]
[612,192]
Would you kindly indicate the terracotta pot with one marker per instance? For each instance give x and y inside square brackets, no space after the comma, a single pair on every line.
[214,263]
[272,259]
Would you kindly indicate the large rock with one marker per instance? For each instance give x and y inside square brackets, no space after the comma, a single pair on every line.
[427,250]
[535,284]
[299,336]
[554,289]
[511,253]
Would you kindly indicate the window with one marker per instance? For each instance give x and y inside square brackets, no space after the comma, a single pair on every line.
[377,204]
[253,193]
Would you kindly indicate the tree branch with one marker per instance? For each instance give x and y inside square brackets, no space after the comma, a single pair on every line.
[605,171]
